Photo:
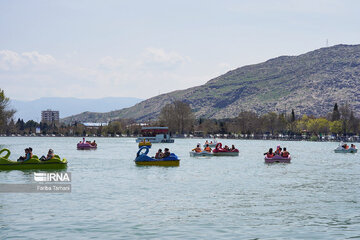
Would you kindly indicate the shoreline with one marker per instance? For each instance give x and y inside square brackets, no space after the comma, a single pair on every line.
[297,139]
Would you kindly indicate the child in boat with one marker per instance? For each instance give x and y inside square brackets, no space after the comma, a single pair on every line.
[270,153]
[207,148]
[278,150]
[26,157]
[166,153]
[49,156]
[285,154]
[197,149]
[159,154]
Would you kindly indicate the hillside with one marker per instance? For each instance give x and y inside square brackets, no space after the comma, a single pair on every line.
[310,83]
[31,110]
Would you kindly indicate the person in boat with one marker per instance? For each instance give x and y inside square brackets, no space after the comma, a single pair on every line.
[49,156]
[345,146]
[353,146]
[207,148]
[232,148]
[93,143]
[30,152]
[206,142]
[270,153]
[159,154]
[278,150]
[227,148]
[166,153]
[197,149]
[26,157]
[285,153]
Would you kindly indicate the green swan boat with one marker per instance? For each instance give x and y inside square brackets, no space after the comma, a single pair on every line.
[32,163]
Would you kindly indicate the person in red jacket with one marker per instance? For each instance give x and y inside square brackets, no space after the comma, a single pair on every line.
[270,153]
[285,154]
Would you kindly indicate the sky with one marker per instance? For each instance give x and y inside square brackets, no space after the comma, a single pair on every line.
[134,48]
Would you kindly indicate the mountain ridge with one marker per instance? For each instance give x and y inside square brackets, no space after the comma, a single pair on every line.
[310,83]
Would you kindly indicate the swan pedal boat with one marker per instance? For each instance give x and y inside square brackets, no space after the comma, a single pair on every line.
[201,154]
[219,151]
[144,160]
[340,149]
[277,159]
[32,163]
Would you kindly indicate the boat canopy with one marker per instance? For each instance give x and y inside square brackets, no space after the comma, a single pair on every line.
[153,131]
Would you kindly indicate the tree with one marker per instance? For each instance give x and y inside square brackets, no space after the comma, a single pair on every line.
[209,126]
[345,112]
[317,126]
[20,125]
[178,116]
[246,123]
[335,114]
[5,113]
[293,118]
[336,127]
[353,123]
[270,122]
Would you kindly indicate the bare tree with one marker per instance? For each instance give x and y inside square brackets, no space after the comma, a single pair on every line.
[178,116]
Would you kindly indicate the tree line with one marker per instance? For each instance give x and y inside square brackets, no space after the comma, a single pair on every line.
[180,118]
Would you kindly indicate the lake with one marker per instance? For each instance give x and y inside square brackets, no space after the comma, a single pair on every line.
[314,197]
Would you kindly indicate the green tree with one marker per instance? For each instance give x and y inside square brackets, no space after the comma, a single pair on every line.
[336,127]
[5,113]
[317,126]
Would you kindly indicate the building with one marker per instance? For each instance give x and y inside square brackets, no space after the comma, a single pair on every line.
[49,116]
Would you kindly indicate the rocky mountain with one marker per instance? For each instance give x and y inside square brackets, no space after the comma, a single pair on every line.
[309,83]
[31,110]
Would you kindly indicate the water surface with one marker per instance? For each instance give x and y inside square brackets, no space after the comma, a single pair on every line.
[315,197]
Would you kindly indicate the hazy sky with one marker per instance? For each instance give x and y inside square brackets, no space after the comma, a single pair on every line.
[93,49]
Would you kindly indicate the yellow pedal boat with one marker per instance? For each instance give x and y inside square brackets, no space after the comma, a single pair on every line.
[32,163]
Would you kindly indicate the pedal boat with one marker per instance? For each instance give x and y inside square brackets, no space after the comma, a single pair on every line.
[86,146]
[144,160]
[212,144]
[145,144]
[32,163]
[219,151]
[201,154]
[340,149]
[277,159]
